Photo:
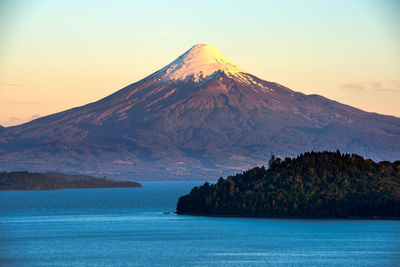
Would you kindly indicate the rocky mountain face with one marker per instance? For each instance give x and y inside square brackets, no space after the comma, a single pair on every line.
[200,117]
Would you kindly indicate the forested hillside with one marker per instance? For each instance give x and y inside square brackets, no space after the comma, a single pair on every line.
[315,184]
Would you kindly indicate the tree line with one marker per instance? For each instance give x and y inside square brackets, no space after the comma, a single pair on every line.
[314,184]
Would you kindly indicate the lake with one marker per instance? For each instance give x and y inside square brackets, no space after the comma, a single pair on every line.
[126,226]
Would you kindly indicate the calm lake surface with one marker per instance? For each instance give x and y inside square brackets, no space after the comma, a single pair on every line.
[125,227]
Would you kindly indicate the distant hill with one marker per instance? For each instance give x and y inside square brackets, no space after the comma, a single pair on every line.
[25,180]
[315,184]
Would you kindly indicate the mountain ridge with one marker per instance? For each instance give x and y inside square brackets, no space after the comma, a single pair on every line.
[196,127]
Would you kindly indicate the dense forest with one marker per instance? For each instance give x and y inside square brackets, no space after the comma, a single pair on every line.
[315,184]
[25,180]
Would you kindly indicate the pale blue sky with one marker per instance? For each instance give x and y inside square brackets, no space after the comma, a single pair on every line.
[60,54]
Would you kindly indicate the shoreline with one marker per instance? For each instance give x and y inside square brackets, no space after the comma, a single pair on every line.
[286,217]
[54,189]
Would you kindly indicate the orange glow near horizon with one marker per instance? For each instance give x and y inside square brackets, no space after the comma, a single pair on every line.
[52,61]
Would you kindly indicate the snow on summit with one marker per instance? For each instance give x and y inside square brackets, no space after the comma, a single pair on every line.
[199,62]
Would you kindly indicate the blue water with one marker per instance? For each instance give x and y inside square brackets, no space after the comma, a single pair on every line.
[125,227]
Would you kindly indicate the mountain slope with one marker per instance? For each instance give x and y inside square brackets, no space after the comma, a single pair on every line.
[198,117]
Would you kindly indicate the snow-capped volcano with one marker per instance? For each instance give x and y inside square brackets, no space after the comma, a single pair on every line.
[200,117]
[199,63]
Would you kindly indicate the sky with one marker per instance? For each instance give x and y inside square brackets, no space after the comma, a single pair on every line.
[56,55]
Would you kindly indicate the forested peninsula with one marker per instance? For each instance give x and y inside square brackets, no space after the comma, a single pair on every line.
[314,184]
[25,180]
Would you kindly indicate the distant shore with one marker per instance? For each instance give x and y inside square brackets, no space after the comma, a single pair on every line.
[26,181]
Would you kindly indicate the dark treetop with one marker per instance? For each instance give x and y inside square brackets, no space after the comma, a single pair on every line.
[25,180]
[315,184]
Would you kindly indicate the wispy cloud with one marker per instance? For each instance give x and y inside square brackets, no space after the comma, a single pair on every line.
[389,90]
[17,102]
[168,34]
[352,85]
[383,86]
[123,162]
[34,117]
[11,121]
[10,84]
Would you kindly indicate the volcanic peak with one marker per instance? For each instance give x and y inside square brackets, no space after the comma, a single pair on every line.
[199,63]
